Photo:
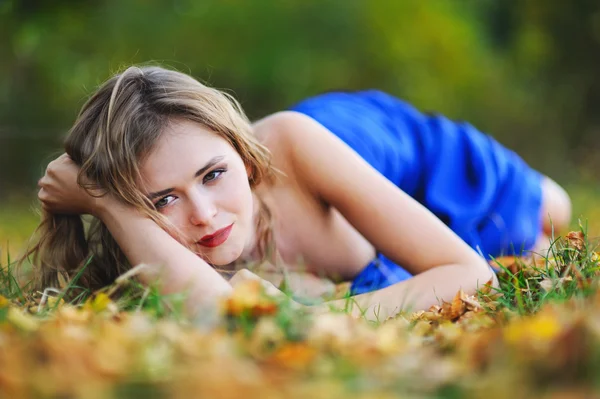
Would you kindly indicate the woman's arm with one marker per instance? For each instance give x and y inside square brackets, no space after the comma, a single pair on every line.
[417,293]
[394,223]
[175,267]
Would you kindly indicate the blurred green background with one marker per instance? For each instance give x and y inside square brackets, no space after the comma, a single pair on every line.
[525,71]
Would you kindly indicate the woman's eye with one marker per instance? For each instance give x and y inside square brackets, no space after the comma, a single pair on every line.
[161,203]
[215,174]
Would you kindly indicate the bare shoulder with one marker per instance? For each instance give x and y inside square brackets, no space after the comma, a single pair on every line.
[279,128]
[280,133]
[290,132]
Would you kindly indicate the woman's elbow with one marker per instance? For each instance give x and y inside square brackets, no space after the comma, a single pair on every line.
[480,273]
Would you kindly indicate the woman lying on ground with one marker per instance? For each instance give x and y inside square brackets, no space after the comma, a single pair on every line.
[344,185]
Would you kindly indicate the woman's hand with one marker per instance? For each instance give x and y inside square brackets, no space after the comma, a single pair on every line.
[59,192]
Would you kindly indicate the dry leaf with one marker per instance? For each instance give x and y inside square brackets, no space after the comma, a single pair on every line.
[248,296]
[454,309]
[576,239]
[487,287]
[4,302]
[422,328]
[294,355]
[472,304]
[22,320]
[266,336]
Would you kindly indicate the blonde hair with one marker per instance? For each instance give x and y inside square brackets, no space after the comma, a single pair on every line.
[116,128]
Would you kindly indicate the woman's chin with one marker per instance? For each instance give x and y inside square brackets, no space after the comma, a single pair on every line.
[221,258]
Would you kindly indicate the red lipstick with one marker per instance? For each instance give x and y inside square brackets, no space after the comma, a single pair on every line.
[217,238]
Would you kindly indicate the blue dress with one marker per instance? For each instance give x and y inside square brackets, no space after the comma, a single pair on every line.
[483,191]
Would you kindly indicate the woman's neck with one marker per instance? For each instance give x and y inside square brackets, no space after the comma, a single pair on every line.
[251,252]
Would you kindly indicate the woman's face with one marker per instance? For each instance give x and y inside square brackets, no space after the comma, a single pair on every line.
[200,183]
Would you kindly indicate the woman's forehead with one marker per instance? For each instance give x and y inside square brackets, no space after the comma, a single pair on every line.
[184,147]
[182,138]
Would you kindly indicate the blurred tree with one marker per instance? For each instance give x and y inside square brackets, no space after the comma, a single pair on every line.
[523,71]
[555,45]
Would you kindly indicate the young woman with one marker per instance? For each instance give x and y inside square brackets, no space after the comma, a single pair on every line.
[345,185]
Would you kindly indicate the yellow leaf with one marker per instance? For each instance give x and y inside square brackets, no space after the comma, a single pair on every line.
[294,355]
[4,302]
[249,296]
[422,328]
[99,303]
[52,301]
[389,339]
[266,336]
[22,320]
[540,329]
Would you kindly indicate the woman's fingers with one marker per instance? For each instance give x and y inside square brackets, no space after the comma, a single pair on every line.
[56,186]
[43,197]
[60,191]
[44,181]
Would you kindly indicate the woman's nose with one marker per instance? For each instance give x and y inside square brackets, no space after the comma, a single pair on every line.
[203,210]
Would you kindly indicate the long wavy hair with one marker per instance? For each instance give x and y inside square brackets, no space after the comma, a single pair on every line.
[116,128]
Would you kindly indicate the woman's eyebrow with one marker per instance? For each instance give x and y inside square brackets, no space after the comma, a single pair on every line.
[209,165]
[160,193]
[200,171]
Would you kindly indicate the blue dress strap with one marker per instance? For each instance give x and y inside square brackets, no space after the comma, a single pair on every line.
[378,274]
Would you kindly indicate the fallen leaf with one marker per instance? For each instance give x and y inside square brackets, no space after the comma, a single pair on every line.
[22,320]
[249,296]
[294,355]
[576,239]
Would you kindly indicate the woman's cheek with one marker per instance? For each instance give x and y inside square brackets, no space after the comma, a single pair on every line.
[176,221]
[240,195]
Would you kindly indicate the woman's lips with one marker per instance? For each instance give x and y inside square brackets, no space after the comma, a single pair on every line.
[217,238]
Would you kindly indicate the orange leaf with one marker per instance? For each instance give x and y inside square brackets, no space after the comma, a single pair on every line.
[576,240]
[249,296]
[294,355]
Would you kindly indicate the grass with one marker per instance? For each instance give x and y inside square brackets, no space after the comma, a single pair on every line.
[568,269]
[331,355]
[18,220]
[537,331]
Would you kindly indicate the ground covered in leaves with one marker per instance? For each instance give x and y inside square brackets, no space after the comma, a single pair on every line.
[536,336]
